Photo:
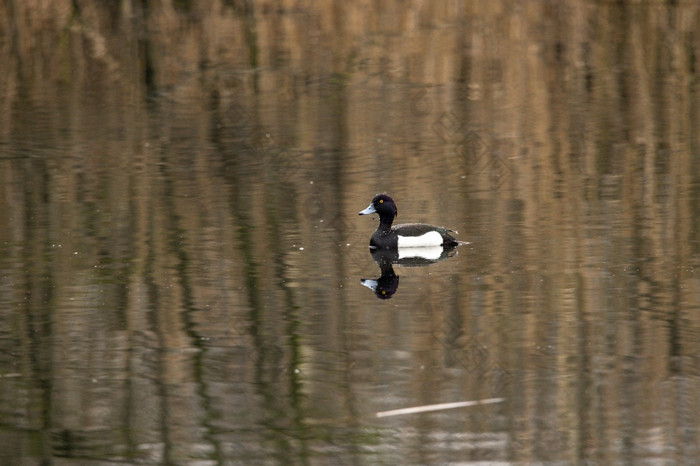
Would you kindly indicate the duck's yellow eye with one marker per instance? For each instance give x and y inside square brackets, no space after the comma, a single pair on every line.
[381,201]
[383,291]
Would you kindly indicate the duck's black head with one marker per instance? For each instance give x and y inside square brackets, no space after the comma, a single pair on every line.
[384,206]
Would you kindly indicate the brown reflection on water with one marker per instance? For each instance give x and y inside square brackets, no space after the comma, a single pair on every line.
[181,253]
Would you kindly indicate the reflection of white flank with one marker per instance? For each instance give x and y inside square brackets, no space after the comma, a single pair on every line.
[430,253]
[432,238]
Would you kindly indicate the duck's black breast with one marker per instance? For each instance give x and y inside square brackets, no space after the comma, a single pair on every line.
[384,239]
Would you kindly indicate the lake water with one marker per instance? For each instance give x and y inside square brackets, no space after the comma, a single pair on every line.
[181,254]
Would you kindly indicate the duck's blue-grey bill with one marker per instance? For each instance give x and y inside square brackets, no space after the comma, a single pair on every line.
[368,210]
[371,284]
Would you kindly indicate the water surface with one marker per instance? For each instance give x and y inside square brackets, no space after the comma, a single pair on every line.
[181,255]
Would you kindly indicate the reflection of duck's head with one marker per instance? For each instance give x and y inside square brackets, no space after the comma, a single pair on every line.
[405,235]
[385,286]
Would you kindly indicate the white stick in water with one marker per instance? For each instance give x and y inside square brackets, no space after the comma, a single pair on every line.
[438,407]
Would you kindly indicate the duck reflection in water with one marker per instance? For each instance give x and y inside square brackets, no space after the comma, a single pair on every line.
[387,284]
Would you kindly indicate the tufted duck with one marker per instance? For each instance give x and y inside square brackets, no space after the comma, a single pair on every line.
[408,235]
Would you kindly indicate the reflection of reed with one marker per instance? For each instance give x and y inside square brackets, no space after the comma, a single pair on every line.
[561,136]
